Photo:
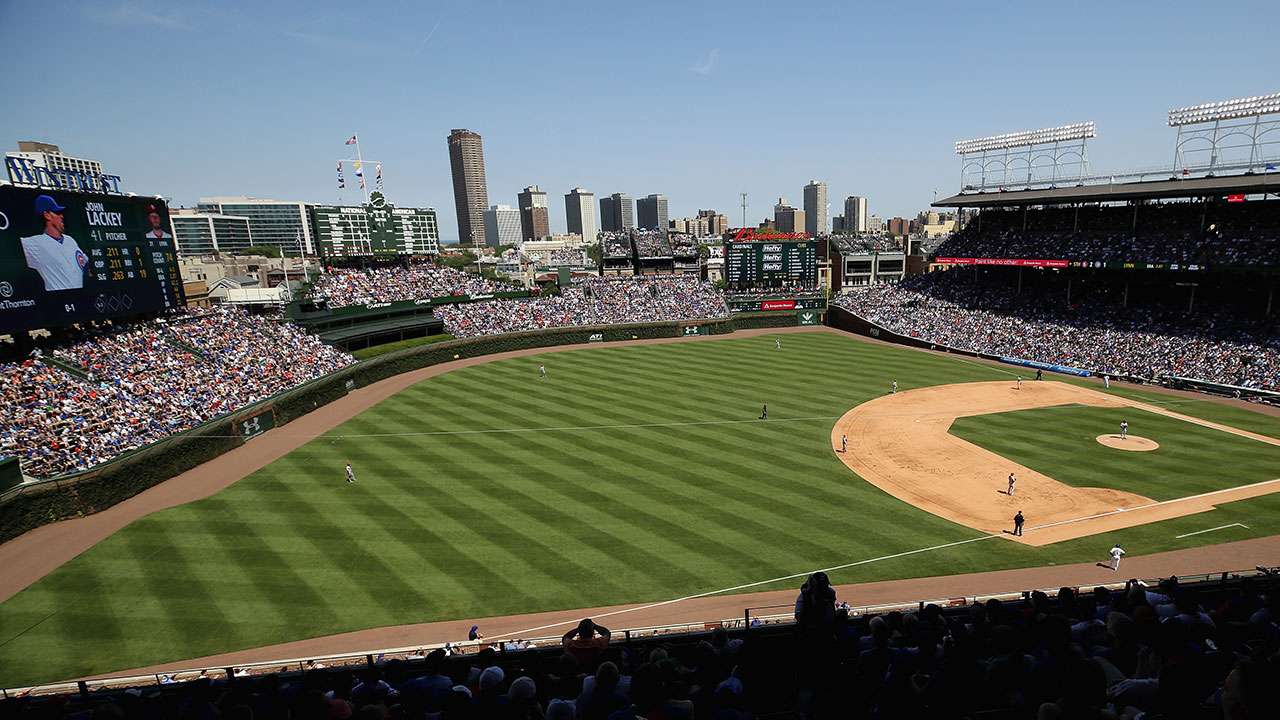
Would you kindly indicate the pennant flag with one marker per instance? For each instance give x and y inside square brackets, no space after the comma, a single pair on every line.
[1271,166]
[1186,171]
[351,140]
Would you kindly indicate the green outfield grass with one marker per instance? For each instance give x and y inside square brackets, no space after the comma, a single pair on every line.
[1060,442]
[628,474]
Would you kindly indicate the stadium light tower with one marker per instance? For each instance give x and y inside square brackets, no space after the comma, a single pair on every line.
[1029,157]
[1224,130]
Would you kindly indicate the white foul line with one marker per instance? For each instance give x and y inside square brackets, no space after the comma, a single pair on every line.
[1224,527]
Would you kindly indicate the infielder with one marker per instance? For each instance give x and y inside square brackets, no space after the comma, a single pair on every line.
[351,474]
[844,443]
[1019,385]
[895,386]
[1106,382]
[1012,480]
[54,254]
[1116,554]
[1124,429]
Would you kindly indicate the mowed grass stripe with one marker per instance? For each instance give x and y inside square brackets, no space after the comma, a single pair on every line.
[446,527]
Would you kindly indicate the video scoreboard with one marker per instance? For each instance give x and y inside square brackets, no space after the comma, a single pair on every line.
[771,263]
[71,257]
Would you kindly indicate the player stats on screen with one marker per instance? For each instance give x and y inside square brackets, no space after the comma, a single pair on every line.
[70,257]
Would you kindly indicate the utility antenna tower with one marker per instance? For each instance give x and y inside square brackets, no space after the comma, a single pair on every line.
[744,209]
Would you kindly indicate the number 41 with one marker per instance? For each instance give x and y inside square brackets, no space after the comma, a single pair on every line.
[70,307]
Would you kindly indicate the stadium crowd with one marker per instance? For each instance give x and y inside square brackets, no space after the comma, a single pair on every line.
[388,283]
[684,245]
[1094,332]
[590,301]
[147,381]
[1121,652]
[1187,233]
[652,244]
[615,244]
[867,243]
[568,256]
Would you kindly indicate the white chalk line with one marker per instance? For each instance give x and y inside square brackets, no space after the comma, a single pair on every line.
[1179,416]
[1221,527]
[709,593]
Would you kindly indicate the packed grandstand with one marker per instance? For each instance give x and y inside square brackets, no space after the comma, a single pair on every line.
[1196,650]
[342,287]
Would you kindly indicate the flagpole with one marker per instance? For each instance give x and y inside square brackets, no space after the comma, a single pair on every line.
[359,159]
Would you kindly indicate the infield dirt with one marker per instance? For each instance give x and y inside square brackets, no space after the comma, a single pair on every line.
[901,444]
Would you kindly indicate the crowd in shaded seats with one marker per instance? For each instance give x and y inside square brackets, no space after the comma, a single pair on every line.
[615,244]
[1215,234]
[788,291]
[342,287]
[652,243]
[683,244]
[147,381]
[589,301]
[1127,650]
[1216,343]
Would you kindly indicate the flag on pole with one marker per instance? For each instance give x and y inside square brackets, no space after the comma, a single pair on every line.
[378,167]
[1271,166]
[341,182]
[1186,171]
[351,140]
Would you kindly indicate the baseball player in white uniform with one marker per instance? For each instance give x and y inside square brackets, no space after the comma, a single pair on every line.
[542,369]
[1124,429]
[54,254]
[1019,385]
[351,475]
[777,344]
[1116,554]
[844,443]
[1012,480]
[895,386]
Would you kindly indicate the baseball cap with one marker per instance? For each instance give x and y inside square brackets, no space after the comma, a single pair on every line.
[44,204]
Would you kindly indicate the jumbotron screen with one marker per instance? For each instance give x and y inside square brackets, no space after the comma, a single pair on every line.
[771,262]
[69,257]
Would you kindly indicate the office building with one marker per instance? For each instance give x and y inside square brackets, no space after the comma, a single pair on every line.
[717,224]
[50,157]
[470,193]
[815,208]
[651,213]
[787,218]
[502,226]
[855,214]
[278,223]
[535,221]
[197,233]
[580,213]
[875,224]
[899,226]
[837,225]
[617,213]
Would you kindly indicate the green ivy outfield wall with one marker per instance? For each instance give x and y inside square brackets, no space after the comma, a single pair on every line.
[38,503]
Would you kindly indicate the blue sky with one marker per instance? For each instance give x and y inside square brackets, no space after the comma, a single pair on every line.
[698,101]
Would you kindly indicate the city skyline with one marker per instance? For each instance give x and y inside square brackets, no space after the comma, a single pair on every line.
[883,136]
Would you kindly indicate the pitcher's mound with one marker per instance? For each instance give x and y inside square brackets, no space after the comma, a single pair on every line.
[1133,442]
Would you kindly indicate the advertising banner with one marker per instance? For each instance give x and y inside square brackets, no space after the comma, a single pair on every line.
[1046,366]
[693,330]
[778,305]
[807,317]
[1011,262]
[253,426]
[595,337]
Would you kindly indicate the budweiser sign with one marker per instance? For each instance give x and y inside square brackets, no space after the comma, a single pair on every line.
[754,235]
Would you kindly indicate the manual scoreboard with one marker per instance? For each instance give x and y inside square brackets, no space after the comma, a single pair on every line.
[71,257]
[771,263]
[375,229]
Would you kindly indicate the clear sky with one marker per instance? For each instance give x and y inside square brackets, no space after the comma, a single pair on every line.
[698,101]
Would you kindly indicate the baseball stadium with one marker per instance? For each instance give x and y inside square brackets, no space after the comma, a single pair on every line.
[792,494]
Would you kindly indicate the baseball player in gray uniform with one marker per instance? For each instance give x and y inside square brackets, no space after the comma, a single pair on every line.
[54,254]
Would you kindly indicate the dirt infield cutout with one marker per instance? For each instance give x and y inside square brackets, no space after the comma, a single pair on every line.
[1132,443]
[901,444]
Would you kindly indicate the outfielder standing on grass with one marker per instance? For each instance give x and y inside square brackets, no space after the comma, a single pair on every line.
[542,369]
[351,475]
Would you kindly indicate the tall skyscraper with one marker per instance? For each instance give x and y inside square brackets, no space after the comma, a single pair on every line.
[787,218]
[535,223]
[815,208]
[855,214]
[470,194]
[617,213]
[580,214]
[502,226]
[651,212]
